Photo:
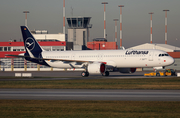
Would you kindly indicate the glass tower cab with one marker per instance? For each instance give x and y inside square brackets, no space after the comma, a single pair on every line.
[78,31]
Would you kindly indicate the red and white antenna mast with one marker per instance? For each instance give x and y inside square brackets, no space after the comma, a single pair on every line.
[116,29]
[121,24]
[105,18]
[151,27]
[64,30]
[26,12]
[166,25]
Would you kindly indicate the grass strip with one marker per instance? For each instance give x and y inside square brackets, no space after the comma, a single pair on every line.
[88,109]
[141,83]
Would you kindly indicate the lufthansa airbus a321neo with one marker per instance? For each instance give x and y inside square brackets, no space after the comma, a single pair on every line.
[93,61]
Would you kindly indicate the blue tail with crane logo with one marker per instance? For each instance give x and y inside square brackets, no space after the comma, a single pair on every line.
[32,47]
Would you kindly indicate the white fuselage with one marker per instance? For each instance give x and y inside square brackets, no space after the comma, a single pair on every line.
[114,58]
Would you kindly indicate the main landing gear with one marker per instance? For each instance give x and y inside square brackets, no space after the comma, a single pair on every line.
[86,74]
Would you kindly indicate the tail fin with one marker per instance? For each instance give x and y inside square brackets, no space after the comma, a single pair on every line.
[31,45]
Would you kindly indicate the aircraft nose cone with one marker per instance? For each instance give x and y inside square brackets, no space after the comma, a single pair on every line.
[171,60]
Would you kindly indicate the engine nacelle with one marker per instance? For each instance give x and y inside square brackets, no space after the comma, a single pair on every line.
[127,70]
[96,68]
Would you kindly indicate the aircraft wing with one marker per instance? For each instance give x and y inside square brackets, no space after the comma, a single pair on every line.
[64,60]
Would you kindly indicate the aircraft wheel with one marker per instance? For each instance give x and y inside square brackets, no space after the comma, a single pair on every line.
[84,74]
[106,73]
[87,74]
[158,74]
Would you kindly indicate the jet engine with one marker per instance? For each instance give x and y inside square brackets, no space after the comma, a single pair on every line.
[127,70]
[96,68]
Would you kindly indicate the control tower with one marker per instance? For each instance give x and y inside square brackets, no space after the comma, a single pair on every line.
[78,31]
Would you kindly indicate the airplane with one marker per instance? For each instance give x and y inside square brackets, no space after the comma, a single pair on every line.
[93,61]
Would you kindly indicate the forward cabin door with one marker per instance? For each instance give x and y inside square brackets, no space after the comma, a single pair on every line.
[151,53]
[73,56]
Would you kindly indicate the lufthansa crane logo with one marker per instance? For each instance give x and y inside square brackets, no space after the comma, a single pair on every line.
[30,44]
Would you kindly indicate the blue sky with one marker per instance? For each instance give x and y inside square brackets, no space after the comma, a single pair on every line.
[48,14]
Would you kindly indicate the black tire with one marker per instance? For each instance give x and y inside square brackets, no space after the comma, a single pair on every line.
[87,74]
[84,74]
[157,74]
[106,73]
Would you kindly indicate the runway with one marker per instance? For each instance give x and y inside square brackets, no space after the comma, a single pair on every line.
[90,94]
[59,75]
[66,74]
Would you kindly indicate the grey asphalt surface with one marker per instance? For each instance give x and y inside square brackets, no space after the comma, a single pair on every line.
[90,94]
[65,74]
[61,75]
[77,74]
[83,94]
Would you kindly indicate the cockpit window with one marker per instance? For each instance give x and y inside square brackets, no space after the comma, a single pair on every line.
[161,55]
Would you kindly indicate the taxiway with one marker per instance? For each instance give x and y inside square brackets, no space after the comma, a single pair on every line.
[90,94]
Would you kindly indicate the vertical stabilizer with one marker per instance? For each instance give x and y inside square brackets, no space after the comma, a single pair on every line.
[31,45]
